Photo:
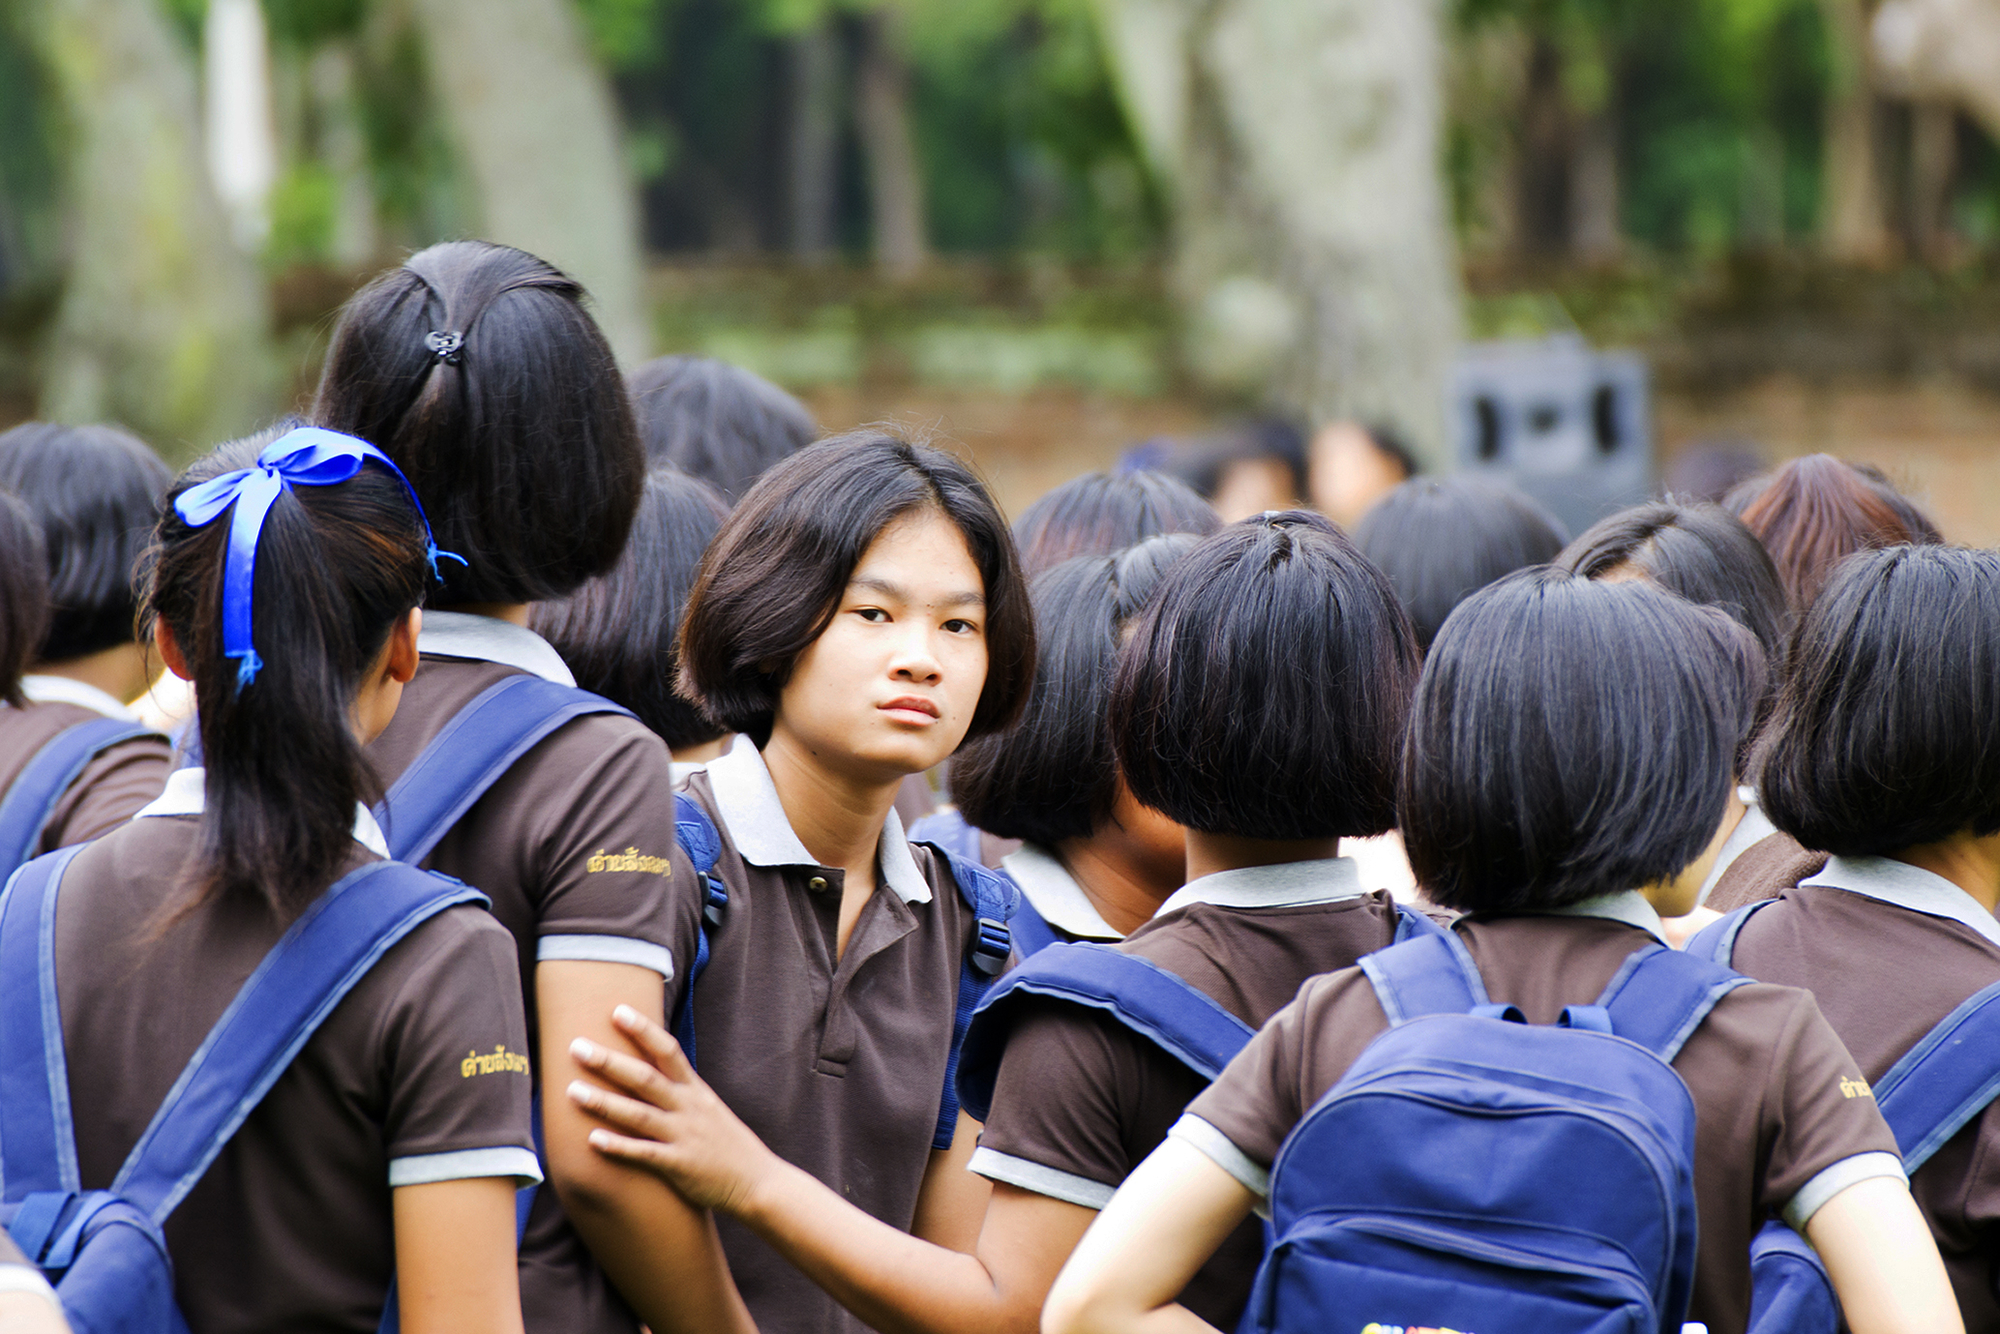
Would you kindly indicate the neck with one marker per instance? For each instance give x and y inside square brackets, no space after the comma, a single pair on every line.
[119,671]
[514,613]
[838,817]
[1968,861]
[1121,882]
[1209,853]
[703,753]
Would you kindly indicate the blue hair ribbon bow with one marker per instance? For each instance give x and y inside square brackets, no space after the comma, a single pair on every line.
[308,456]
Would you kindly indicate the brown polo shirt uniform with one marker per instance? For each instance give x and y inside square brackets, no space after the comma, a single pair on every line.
[291,1228]
[569,845]
[112,787]
[1081,1099]
[1866,928]
[837,1064]
[1780,1127]
[1767,867]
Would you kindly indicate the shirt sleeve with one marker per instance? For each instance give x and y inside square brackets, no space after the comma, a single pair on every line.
[113,787]
[456,1043]
[1820,1120]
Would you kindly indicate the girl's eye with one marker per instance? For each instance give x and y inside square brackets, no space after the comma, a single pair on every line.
[873,615]
[959,627]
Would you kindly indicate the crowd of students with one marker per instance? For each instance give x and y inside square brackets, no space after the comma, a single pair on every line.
[818,872]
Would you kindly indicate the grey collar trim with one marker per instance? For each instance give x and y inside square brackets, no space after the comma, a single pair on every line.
[748,802]
[458,634]
[1906,886]
[1056,895]
[186,793]
[1626,905]
[1286,885]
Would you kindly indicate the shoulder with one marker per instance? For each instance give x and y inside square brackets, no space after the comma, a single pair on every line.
[1766,869]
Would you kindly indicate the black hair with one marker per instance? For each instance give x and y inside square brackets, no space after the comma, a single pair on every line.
[1054,775]
[1202,462]
[1101,512]
[337,567]
[617,631]
[1886,733]
[1263,691]
[716,421]
[1442,538]
[1705,554]
[1570,738]
[773,577]
[24,611]
[1393,445]
[96,492]
[518,437]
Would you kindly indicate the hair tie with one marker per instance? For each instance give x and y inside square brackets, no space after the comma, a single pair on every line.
[448,345]
[308,456]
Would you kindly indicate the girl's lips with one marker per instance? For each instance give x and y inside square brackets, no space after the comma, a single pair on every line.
[911,704]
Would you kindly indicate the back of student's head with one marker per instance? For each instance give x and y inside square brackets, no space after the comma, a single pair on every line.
[1262,692]
[617,631]
[716,421]
[774,575]
[478,370]
[24,610]
[336,567]
[1571,737]
[1815,511]
[96,492]
[1054,775]
[1102,512]
[1442,538]
[1886,732]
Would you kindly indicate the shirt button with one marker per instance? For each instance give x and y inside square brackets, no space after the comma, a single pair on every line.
[817,883]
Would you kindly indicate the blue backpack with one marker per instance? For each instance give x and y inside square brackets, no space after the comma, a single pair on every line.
[948,832]
[1474,1172]
[25,810]
[1931,1093]
[104,1249]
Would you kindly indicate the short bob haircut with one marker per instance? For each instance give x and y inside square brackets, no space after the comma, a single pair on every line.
[518,437]
[1815,511]
[1571,738]
[1440,539]
[1886,733]
[1054,775]
[716,421]
[774,575]
[617,632]
[1263,690]
[24,611]
[1101,512]
[96,493]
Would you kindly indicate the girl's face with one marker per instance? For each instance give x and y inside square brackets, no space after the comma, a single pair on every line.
[889,687]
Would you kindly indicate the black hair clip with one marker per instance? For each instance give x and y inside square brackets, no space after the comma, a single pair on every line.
[446,346]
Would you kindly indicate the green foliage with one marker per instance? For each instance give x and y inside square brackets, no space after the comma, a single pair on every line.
[623,33]
[305,23]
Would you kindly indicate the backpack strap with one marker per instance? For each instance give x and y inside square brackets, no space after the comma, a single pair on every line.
[1411,923]
[994,900]
[702,843]
[1162,1007]
[1940,1084]
[473,752]
[1716,942]
[1657,998]
[1032,932]
[37,1146]
[25,810]
[1428,973]
[948,832]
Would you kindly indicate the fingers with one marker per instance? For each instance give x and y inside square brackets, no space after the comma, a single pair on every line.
[658,1044]
[633,1075]
[626,1113]
[644,1153]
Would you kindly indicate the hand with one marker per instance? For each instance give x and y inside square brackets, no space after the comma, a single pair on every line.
[675,1126]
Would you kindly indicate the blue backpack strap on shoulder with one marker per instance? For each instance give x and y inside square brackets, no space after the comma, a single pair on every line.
[994,901]
[1947,1079]
[476,748]
[1717,941]
[25,810]
[1658,997]
[1429,973]
[1172,1013]
[702,843]
[948,832]
[1413,922]
[1032,932]
[37,1151]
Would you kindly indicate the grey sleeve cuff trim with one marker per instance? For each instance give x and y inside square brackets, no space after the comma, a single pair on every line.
[607,949]
[1200,1134]
[423,1169]
[1833,1180]
[1057,1185]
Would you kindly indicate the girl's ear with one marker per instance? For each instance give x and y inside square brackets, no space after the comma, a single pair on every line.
[402,647]
[170,649]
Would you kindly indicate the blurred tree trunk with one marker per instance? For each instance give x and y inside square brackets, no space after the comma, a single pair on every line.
[1854,225]
[1298,142]
[164,324]
[1548,150]
[895,177]
[1933,165]
[812,145]
[343,148]
[532,115]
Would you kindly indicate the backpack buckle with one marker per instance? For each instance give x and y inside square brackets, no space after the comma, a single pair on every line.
[714,898]
[992,946]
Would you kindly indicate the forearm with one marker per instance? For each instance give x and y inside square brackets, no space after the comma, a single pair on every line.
[630,1226]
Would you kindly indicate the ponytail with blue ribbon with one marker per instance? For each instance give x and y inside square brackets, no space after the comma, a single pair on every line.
[308,456]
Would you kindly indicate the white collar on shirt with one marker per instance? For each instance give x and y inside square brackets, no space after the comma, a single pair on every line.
[748,802]
[1626,905]
[1285,885]
[1056,895]
[1906,886]
[458,634]
[186,794]
[63,690]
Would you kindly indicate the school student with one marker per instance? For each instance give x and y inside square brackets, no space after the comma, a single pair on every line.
[1259,703]
[1813,512]
[716,421]
[617,631]
[477,369]
[94,492]
[284,585]
[1884,750]
[1094,862]
[1102,512]
[1563,775]
[859,615]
